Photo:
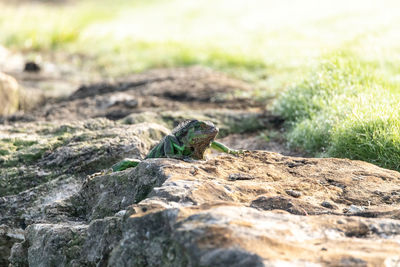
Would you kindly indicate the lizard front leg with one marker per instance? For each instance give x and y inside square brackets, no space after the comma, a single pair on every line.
[173,148]
[125,164]
[222,148]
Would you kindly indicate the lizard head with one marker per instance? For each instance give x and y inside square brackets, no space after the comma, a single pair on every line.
[196,135]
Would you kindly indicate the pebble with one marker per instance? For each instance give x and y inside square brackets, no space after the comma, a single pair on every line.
[240,176]
[293,193]
[328,205]
[120,213]
[31,66]
[354,209]
[194,170]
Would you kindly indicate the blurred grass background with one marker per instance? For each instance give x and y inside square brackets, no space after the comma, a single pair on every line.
[331,66]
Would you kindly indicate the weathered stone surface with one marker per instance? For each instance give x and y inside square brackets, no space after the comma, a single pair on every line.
[103,196]
[8,237]
[341,181]
[232,235]
[9,94]
[50,163]
[72,244]
[167,212]
[33,153]
[43,164]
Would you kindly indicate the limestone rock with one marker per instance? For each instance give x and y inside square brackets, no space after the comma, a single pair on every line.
[167,212]
[50,150]
[8,237]
[232,235]
[9,94]
[43,164]
[103,196]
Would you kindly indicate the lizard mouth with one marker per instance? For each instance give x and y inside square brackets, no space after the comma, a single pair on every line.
[213,131]
[204,138]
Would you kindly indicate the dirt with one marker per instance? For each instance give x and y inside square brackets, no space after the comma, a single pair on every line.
[157,90]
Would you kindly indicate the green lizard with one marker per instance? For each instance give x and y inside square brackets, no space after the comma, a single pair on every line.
[189,140]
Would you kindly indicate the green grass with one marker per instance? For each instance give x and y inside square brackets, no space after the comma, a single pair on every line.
[345,108]
[45,27]
[371,134]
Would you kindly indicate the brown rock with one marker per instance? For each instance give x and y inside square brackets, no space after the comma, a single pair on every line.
[233,235]
[343,181]
[293,193]
[252,222]
[9,94]
[192,214]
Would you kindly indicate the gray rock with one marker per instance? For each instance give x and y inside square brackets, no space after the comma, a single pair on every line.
[105,195]
[8,236]
[293,193]
[355,209]
[54,245]
[39,187]
[328,205]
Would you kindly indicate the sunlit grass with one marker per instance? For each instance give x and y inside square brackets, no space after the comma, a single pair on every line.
[45,26]
[346,108]
[371,132]
[38,27]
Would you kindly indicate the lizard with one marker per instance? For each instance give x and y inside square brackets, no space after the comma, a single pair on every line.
[189,140]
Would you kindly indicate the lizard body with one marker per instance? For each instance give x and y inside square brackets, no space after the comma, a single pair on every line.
[189,140]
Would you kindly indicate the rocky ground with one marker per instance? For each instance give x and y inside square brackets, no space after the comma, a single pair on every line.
[258,209]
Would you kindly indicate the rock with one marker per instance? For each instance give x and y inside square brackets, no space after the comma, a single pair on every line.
[239,176]
[68,244]
[54,246]
[42,169]
[103,196]
[53,149]
[8,237]
[31,66]
[9,95]
[293,193]
[229,235]
[328,205]
[163,213]
[354,209]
